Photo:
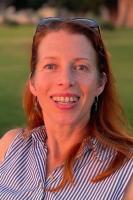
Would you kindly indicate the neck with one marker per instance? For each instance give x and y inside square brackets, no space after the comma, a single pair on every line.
[62,138]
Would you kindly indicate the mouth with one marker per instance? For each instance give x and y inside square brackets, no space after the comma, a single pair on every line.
[65,100]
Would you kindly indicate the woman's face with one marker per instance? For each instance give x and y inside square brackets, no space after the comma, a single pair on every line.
[66,80]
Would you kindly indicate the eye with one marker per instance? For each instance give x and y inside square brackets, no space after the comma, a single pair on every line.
[81,67]
[50,66]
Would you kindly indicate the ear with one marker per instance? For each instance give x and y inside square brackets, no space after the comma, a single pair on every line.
[102,83]
[32,87]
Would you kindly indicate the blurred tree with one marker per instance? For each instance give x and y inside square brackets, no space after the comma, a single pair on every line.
[35,4]
[125,13]
[4,4]
[74,5]
[120,11]
[78,5]
[112,6]
[110,3]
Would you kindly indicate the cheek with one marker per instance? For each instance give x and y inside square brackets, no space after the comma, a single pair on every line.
[89,89]
[90,83]
[41,86]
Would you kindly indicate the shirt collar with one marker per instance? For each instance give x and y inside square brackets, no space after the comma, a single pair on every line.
[39,134]
[100,151]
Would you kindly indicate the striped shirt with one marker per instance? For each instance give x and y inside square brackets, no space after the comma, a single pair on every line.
[23,172]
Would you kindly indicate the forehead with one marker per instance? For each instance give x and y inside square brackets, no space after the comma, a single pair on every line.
[62,42]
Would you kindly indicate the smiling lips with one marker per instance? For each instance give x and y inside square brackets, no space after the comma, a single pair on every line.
[65,101]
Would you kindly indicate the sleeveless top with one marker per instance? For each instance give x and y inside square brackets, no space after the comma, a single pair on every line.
[23,172]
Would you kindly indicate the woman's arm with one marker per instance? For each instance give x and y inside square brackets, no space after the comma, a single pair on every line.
[5,142]
[129,190]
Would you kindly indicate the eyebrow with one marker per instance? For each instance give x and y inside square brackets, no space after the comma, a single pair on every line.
[75,59]
[51,57]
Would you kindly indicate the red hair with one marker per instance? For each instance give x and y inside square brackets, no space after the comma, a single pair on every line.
[107,124]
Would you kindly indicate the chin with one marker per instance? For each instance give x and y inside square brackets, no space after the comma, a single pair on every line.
[67,122]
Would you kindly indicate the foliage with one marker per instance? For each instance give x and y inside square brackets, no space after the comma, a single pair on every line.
[78,5]
[110,3]
[28,4]
[73,5]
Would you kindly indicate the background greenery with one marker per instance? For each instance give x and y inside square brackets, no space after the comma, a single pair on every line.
[75,5]
[15,43]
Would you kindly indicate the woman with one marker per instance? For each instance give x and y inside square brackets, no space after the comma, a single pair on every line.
[76,145]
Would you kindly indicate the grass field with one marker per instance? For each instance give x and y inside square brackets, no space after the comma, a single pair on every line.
[15,45]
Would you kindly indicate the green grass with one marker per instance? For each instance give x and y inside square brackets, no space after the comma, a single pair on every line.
[120,45]
[15,43]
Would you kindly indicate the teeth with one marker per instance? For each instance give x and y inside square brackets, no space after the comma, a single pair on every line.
[71,98]
[65,99]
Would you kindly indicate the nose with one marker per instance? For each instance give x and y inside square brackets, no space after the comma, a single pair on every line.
[66,78]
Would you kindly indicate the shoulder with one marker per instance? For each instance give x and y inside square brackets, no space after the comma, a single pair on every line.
[5,142]
[128,195]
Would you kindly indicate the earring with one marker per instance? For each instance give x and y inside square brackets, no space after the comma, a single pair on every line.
[96,103]
[36,104]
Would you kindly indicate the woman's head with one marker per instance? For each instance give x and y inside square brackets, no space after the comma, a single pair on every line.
[85,37]
[66,79]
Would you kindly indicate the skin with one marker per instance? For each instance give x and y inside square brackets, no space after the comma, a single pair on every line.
[128,195]
[73,70]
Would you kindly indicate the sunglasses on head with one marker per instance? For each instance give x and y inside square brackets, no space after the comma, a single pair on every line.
[90,23]
[78,20]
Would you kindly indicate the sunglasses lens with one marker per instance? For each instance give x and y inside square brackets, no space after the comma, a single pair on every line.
[87,22]
[49,20]
[82,21]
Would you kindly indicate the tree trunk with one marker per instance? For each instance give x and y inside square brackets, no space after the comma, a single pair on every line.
[125,13]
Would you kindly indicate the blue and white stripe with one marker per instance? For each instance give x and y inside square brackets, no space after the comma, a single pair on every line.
[23,172]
